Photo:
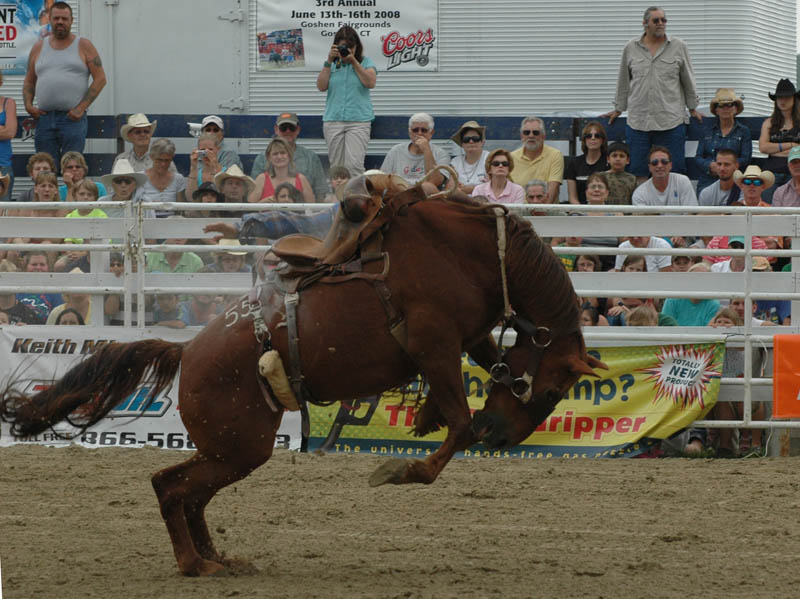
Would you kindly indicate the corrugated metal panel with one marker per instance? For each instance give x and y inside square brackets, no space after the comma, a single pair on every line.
[521,56]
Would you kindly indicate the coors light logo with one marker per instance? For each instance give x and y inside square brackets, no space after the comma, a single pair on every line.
[400,49]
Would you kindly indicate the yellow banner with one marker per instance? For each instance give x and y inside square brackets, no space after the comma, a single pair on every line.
[648,393]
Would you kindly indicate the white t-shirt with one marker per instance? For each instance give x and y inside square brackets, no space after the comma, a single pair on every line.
[471,174]
[654,263]
[679,192]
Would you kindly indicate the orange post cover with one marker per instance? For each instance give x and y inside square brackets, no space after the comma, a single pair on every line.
[786,376]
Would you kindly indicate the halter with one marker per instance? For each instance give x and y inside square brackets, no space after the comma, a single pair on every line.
[521,387]
[541,336]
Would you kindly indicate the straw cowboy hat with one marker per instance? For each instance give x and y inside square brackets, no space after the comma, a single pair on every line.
[726,95]
[234,172]
[122,168]
[230,243]
[136,120]
[754,172]
[456,137]
[785,88]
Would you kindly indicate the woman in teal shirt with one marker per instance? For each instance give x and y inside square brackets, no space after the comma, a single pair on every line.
[347,76]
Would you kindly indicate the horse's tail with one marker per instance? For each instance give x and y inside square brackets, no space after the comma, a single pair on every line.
[90,390]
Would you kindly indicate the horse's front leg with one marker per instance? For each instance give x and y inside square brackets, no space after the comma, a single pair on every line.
[447,390]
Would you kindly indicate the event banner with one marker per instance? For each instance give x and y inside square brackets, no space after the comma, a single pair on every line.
[298,35]
[35,356]
[648,394]
[22,24]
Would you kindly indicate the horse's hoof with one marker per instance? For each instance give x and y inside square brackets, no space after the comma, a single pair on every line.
[206,568]
[392,471]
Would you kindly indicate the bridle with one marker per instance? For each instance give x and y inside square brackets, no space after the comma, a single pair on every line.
[541,336]
[521,387]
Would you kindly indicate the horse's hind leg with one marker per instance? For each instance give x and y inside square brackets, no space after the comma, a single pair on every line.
[183,492]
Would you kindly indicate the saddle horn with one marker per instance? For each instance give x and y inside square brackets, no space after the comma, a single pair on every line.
[447,192]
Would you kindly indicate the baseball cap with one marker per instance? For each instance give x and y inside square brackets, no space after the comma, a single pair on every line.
[212,118]
[287,117]
[794,154]
[736,239]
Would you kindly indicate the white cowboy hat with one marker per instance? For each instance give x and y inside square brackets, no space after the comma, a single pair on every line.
[137,120]
[234,172]
[754,172]
[230,243]
[122,168]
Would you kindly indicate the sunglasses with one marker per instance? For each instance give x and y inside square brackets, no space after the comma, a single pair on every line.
[658,20]
[471,139]
[116,264]
[756,182]
[500,163]
[419,130]
[287,127]
[657,161]
[212,129]
[594,136]
[123,180]
[726,105]
[534,132]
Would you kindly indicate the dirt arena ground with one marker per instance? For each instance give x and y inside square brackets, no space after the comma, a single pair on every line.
[84,523]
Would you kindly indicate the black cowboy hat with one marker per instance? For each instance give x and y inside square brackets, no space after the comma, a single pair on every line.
[784,89]
[207,187]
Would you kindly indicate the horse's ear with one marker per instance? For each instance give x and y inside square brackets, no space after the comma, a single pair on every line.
[595,363]
[578,366]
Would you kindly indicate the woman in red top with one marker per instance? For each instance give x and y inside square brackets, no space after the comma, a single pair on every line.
[280,169]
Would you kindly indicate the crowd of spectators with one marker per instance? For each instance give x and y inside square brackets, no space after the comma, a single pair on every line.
[655,86]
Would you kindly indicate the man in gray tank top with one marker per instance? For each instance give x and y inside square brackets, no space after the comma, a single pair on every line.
[59,67]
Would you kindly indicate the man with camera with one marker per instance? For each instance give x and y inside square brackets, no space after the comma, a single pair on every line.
[287,127]
[226,156]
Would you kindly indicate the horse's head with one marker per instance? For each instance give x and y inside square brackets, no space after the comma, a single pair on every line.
[528,382]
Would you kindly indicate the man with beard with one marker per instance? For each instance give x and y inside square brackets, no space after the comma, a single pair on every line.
[58,73]
[656,86]
[534,160]
[722,192]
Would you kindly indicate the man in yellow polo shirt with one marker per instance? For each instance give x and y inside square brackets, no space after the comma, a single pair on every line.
[534,160]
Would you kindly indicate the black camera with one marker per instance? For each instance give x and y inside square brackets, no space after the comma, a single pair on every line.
[344,51]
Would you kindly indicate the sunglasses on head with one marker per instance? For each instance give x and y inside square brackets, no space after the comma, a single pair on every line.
[419,129]
[500,163]
[594,135]
[123,180]
[756,182]
[471,139]
[534,132]
[287,127]
[657,161]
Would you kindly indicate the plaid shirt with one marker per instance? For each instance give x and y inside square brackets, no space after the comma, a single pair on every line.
[277,223]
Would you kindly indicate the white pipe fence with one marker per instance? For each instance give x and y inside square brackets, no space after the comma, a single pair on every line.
[135,234]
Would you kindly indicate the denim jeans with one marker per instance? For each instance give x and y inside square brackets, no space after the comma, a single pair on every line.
[56,134]
[8,170]
[640,142]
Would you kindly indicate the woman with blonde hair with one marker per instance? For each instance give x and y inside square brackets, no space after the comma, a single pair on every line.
[499,188]
[280,169]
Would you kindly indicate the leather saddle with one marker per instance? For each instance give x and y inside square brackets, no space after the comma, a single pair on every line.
[357,219]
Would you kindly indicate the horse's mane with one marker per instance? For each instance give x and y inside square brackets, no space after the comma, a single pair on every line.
[539,285]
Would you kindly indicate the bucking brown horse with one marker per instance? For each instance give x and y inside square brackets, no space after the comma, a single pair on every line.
[445,281]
